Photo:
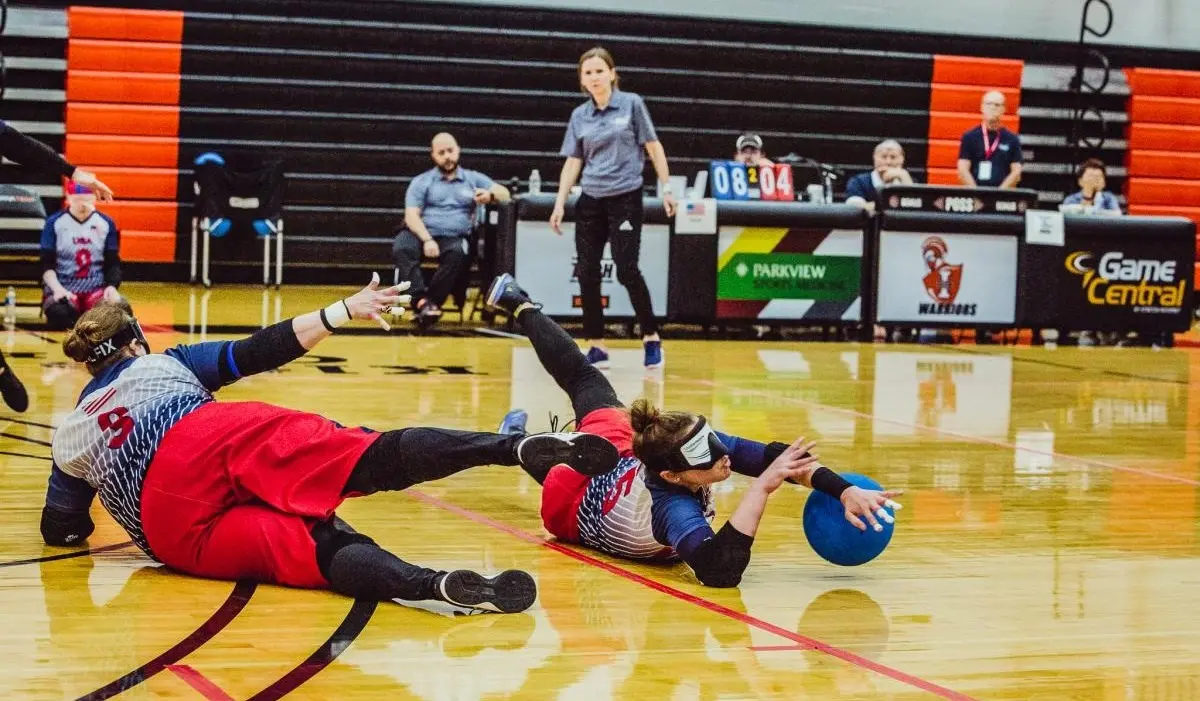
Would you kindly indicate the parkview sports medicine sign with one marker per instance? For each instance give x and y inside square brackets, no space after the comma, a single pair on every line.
[778,273]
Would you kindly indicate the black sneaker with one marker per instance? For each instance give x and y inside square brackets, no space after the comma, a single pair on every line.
[511,591]
[586,453]
[505,295]
[11,388]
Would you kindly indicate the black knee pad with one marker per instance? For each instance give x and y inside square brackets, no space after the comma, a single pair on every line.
[330,537]
[61,316]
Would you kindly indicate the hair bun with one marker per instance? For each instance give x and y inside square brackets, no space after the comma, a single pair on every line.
[643,415]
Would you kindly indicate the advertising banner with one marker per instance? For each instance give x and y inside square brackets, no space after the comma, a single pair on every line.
[1110,283]
[778,273]
[545,268]
[947,278]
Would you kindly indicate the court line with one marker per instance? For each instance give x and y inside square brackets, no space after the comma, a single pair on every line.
[225,613]
[67,556]
[25,455]
[202,684]
[351,626]
[27,440]
[944,432]
[26,422]
[1065,366]
[804,640]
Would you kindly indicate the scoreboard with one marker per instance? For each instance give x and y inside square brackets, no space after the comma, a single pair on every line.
[732,180]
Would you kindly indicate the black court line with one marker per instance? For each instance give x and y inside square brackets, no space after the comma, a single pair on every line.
[27,440]
[26,422]
[25,455]
[1077,368]
[238,598]
[67,556]
[47,339]
[349,629]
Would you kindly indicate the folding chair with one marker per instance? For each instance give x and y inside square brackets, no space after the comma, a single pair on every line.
[236,192]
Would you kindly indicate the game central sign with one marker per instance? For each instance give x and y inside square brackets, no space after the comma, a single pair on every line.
[1147,285]
[1127,284]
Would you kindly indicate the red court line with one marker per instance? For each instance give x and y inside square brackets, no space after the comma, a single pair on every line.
[944,432]
[199,682]
[803,640]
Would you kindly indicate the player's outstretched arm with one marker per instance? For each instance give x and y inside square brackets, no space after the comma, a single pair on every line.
[280,344]
[863,506]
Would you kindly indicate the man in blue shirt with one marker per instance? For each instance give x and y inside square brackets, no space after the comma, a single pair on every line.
[863,189]
[990,155]
[440,209]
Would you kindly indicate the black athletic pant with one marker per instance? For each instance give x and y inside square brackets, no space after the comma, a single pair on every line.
[615,220]
[585,385]
[406,254]
[354,565]
[61,315]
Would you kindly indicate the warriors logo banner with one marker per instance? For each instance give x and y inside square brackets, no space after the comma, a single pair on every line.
[945,278]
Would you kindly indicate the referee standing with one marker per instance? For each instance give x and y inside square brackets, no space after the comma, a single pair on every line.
[605,140]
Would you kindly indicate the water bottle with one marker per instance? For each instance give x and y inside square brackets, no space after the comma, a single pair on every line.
[535,182]
[10,305]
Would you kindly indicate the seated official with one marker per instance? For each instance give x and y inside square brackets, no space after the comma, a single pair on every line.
[863,189]
[440,208]
[80,259]
[1092,198]
[750,151]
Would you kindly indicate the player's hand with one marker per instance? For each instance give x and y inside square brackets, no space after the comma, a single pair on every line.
[483,196]
[869,504]
[372,303]
[65,295]
[556,218]
[87,178]
[111,294]
[669,205]
[430,249]
[790,464]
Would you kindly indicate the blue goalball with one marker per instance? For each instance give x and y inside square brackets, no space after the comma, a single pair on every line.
[836,539]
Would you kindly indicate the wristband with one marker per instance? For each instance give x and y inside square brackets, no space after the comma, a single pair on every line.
[335,315]
[829,482]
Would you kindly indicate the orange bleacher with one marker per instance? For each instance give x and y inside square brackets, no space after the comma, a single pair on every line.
[956,92]
[122,118]
[1164,137]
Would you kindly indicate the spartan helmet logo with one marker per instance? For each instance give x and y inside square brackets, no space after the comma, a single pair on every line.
[943,279]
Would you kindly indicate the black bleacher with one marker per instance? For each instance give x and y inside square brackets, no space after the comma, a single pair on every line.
[349,94]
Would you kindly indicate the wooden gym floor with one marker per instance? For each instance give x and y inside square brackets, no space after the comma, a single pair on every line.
[1047,549]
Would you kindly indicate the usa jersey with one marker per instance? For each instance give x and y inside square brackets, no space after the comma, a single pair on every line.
[123,415]
[79,248]
[624,514]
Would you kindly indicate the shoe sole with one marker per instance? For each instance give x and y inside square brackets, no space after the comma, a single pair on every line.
[492,295]
[600,364]
[13,392]
[585,453]
[511,591]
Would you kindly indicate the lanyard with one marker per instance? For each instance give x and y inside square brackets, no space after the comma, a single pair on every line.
[989,149]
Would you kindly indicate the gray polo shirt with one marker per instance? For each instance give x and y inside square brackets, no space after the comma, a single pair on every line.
[610,143]
[448,207]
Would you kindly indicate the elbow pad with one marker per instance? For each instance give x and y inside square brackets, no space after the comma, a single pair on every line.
[721,560]
[65,528]
[267,349]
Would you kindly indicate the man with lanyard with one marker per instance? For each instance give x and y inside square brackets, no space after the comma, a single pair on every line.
[990,155]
